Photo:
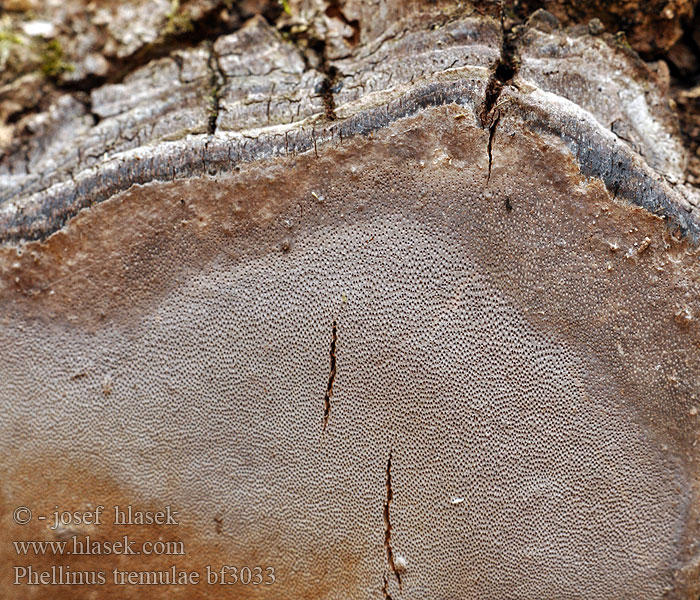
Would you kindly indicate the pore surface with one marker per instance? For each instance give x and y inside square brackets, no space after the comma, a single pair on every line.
[502,454]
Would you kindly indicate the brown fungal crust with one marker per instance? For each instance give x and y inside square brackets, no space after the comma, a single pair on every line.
[467,350]
[508,330]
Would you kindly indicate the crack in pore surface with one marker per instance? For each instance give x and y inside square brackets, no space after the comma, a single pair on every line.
[492,133]
[387,523]
[331,377]
[385,589]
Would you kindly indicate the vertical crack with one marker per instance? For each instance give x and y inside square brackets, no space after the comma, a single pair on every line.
[331,377]
[385,589]
[219,524]
[506,69]
[316,58]
[492,133]
[216,81]
[326,90]
[387,523]
[313,51]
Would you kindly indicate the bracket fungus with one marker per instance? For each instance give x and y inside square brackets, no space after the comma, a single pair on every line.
[368,330]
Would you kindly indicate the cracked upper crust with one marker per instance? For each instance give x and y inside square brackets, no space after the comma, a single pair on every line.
[153,125]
